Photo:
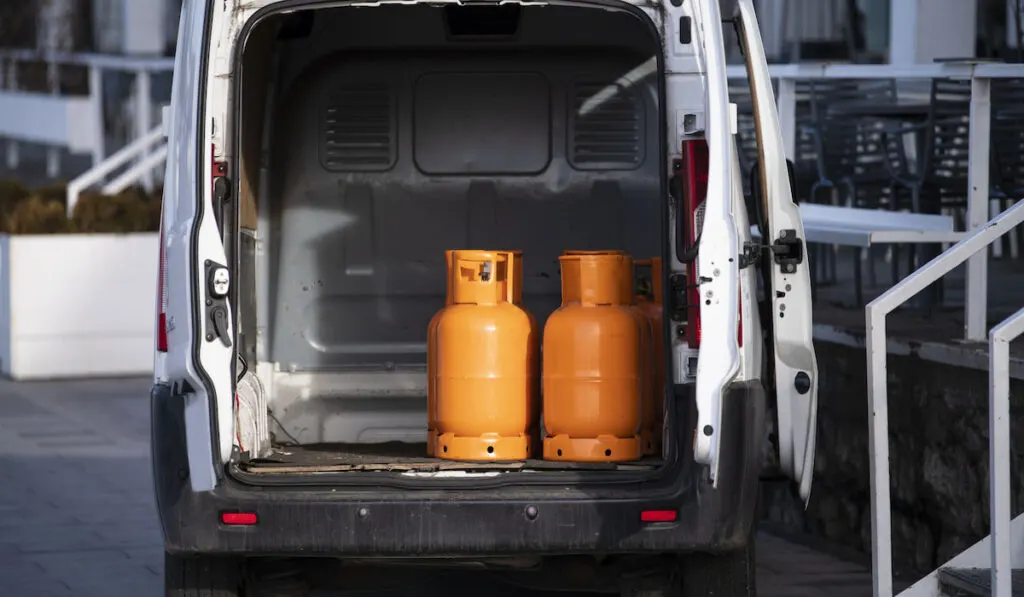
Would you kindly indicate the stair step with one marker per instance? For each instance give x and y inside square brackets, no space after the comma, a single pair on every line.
[975,582]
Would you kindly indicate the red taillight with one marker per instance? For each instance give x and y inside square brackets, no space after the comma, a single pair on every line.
[161,318]
[658,516]
[694,170]
[238,518]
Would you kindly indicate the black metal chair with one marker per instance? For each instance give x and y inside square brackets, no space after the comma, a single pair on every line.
[938,180]
[1007,180]
[848,153]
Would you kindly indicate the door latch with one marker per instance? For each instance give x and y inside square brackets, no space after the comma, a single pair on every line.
[218,326]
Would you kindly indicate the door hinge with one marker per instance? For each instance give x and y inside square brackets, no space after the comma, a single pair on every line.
[788,251]
[751,254]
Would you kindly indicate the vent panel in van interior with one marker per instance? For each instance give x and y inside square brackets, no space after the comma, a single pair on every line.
[607,127]
[358,129]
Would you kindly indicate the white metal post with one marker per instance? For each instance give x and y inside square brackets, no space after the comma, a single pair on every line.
[52,152]
[787,115]
[143,118]
[96,107]
[999,449]
[878,442]
[975,307]
[13,153]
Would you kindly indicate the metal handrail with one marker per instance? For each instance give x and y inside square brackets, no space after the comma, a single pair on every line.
[137,171]
[876,312]
[106,61]
[129,152]
[999,449]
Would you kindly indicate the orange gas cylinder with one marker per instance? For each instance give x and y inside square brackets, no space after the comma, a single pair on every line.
[484,366]
[515,296]
[651,307]
[431,358]
[591,365]
[646,357]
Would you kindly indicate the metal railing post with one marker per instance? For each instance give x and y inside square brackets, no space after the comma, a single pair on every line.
[999,449]
[96,108]
[143,119]
[878,442]
[976,299]
[53,153]
[787,115]
[13,150]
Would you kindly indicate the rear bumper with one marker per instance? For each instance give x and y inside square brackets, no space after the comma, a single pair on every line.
[380,522]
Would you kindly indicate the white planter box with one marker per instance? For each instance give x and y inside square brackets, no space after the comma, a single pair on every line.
[77,305]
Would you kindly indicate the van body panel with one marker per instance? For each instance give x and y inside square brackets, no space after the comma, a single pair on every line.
[463,520]
[721,417]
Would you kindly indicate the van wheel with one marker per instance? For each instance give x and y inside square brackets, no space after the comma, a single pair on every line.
[201,576]
[730,574]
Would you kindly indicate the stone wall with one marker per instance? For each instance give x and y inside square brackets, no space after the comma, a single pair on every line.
[938,438]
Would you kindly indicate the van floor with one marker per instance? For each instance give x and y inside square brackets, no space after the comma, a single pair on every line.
[401,456]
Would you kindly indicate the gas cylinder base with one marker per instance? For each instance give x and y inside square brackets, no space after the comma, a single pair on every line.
[605,448]
[484,448]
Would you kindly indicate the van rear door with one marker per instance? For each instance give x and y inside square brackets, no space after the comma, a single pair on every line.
[195,351]
[795,365]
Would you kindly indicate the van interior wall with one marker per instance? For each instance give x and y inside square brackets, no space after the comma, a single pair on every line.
[395,133]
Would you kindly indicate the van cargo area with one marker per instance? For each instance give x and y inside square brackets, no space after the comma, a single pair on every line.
[370,140]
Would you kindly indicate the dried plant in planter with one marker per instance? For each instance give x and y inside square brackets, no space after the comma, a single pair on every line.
[56,190]
[153,207]
[12,192]
[38,216]
[124,212]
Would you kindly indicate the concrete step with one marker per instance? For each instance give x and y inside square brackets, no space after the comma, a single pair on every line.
[975,582]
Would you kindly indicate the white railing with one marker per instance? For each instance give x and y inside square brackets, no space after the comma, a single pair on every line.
[981,76]
[999,449]
[142,151]
[79,136]
[881,525]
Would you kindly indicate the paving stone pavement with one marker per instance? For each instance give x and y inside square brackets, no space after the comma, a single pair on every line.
[77,515]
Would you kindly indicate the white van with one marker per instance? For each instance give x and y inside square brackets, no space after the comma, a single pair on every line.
[323,154]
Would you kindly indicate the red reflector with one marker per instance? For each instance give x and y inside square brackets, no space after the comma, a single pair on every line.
[238,518]
[658,516]
[161,332]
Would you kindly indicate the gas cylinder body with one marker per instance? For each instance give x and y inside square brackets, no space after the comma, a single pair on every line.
[591,365]
[626,272]
[515,296]
[432,361]
[485,368]
[651,308]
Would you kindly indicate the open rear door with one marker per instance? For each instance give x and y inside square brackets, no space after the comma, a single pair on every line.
[194,323]
[796,369]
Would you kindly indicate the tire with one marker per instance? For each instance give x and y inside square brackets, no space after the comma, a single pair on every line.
[731,574]
[201,576]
